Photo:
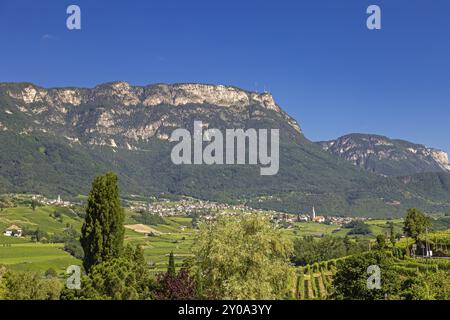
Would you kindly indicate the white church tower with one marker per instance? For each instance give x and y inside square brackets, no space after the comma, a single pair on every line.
[313,214]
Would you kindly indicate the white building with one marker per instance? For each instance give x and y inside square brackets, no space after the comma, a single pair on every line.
[13,231]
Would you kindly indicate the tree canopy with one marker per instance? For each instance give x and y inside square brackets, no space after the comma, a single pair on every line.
[416,223]
[243,257]
[124,278]
[29,286]
[350,280]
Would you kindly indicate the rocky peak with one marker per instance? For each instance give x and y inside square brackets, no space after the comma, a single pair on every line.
[387,156]
[151,95]
[441,157]
[219,95]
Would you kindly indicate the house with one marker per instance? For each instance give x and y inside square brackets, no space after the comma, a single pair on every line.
[302,218]
[13,231]
[319,219]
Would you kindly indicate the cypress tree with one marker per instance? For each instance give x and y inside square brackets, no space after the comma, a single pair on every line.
[392,233]
[347,244]
[171,268]
[103,231]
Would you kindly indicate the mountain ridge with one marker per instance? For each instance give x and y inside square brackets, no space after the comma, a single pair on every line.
[385,156]
[58,103]
[55,142]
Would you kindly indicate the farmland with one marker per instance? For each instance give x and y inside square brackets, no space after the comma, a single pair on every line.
[35,257]
[23,253]
[176,234]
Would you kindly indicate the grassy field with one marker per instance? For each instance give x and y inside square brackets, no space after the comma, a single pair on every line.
[22,254]
[382,226]
[35,257]
[41,218]
[177,235]
[25,255]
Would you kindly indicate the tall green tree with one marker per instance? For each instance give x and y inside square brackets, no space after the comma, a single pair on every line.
[171,267]
[416,223]
[347,244]
[381,241]
[103,231]
[392,233]
[33,204]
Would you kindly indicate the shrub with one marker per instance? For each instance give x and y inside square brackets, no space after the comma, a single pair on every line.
[31,286]
[51,273]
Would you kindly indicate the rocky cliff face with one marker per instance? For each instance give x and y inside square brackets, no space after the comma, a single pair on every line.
[441,158]
[386,156]
[120,115]
[152,95]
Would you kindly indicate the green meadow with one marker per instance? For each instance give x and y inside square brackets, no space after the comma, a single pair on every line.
[176,235]
[41,218]
[35,257]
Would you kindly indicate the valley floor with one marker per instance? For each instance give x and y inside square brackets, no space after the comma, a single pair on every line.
[176,234]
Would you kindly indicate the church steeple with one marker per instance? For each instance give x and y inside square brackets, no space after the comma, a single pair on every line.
[313,214]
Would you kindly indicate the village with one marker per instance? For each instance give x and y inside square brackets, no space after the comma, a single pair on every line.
[208,209]
[205,210]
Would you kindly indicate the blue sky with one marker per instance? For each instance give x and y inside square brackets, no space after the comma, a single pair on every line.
[322,64]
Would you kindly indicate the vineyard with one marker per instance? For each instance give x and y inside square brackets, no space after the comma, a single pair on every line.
[315,282]
[411,266]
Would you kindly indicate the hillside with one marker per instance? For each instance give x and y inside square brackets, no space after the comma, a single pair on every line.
[54,141]
[25,254]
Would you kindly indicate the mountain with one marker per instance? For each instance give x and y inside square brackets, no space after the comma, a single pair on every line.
[54,141]
[119,115]
[388,157]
